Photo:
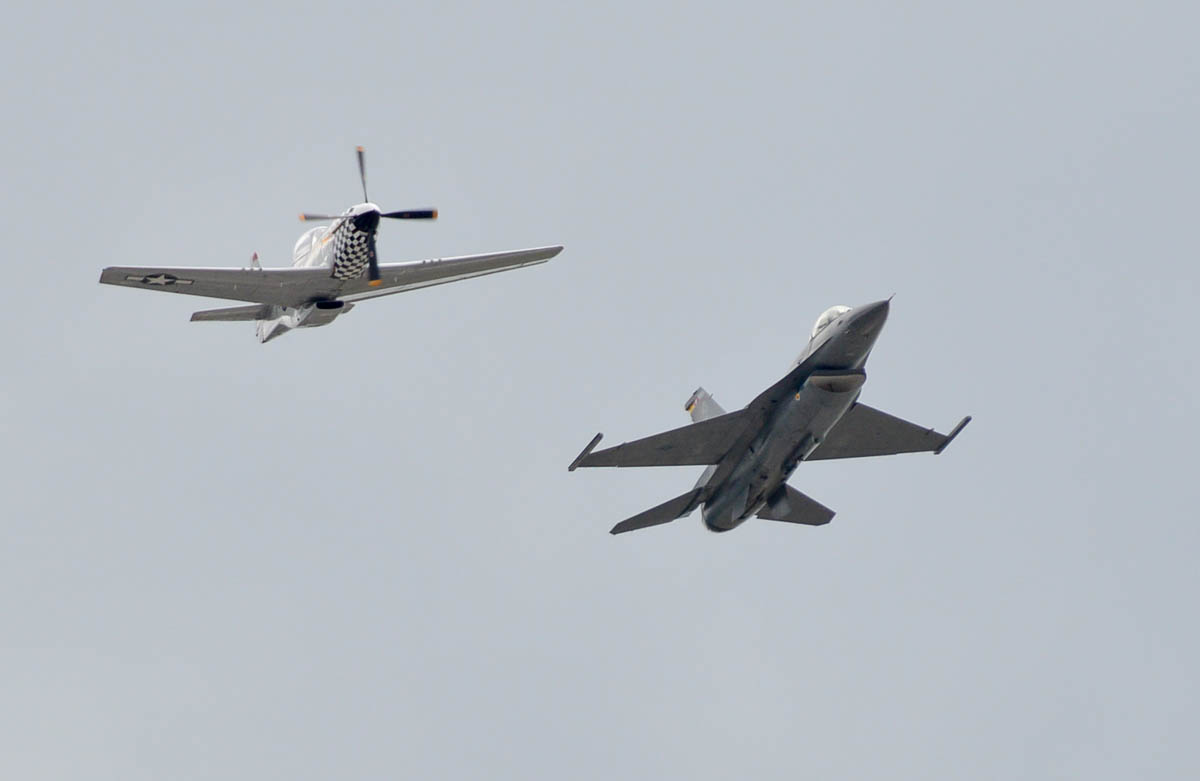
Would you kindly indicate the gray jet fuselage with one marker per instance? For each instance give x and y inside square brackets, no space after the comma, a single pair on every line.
[746,478]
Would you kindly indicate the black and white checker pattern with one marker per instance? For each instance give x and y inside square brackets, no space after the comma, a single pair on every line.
[351,252]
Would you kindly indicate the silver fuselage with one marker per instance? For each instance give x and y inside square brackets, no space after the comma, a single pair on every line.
[828,385]
[342,247]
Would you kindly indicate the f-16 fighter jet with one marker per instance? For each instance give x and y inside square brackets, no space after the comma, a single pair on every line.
[333,268]
[809,415]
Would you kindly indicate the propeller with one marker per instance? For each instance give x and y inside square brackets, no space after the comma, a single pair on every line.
[362,171]
[372,258]
[412,214]
[409,214]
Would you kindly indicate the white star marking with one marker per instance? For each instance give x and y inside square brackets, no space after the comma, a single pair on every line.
[160,279]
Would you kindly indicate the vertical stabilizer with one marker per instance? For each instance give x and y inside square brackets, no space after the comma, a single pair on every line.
[702,406]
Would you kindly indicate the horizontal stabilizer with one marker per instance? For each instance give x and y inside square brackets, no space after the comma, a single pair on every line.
[789,505]
[700,443]
[865,431]
[255,312]
[663,513]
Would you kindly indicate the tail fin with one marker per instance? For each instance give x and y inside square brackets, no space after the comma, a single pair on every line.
[663,513]
[702,406]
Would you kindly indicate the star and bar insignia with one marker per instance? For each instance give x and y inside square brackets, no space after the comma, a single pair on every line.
[160,279]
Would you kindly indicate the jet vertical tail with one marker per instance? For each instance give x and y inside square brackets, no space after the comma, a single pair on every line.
[702,406]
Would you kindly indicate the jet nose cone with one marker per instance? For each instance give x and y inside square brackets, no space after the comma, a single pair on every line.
[871,317]
[367,221]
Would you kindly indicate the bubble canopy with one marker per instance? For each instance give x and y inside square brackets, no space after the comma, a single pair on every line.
[827,317]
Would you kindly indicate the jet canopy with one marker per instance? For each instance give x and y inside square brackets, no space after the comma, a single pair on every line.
[827,317]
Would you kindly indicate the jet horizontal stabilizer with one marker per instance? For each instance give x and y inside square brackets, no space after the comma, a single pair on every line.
[663,513]
[789,505]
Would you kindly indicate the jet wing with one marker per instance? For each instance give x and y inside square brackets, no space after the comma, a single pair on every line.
[865,431]
[700,443]
[401,277]
[283,286]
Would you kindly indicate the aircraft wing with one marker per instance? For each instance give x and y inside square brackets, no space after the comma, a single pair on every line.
[401,277]
[865,431]
[700,443]
[299,286]
[283,286]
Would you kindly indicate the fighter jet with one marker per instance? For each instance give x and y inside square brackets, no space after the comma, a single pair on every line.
[813,413]
[333,268]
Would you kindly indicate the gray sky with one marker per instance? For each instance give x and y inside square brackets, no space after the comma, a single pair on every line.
[356,552]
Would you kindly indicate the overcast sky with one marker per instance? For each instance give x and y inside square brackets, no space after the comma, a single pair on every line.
[356,552]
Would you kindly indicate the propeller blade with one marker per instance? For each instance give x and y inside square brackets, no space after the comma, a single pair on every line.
[412,214]
[306,216]
[372,264]
[362,173]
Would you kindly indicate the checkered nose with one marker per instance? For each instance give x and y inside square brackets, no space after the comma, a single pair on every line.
[367,222]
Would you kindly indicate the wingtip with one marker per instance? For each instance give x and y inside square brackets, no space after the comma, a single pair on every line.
[953,433]
[585,453]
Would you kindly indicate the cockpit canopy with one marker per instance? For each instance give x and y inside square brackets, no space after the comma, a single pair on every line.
[827,317]
[307,242]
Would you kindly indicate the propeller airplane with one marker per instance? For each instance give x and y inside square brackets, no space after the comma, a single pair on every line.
[334,267]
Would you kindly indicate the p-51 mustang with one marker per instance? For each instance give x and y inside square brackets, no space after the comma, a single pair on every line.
[812,413]
[333,267]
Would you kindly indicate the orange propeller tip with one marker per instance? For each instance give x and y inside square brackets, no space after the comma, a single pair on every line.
[302,218]
[435,214]
[359,148]
[375,282]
